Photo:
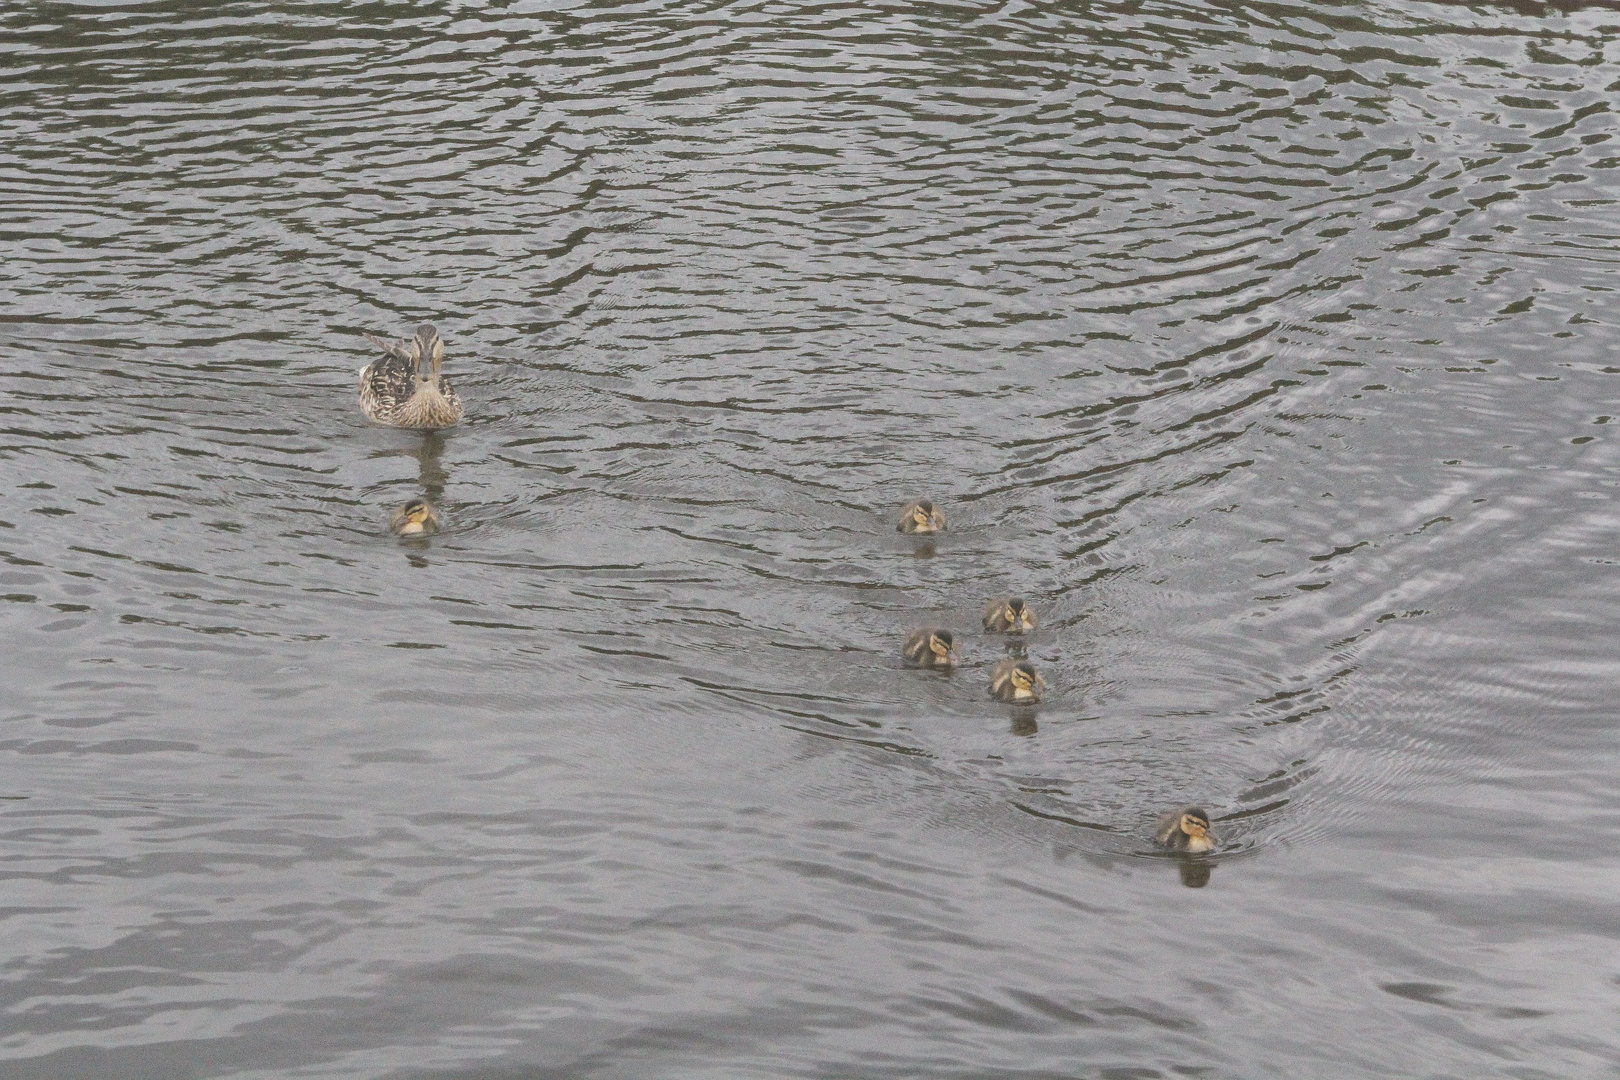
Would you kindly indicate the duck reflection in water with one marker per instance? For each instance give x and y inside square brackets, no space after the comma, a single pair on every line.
[429,469]
[1195,872]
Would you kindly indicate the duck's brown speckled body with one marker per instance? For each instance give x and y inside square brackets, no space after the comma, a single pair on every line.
[405,387]
[1185,830]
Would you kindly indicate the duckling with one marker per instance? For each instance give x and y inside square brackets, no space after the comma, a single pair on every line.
[1186,830]
[405,388]
[1015,681]
[1008,614]
[929,648]
[415,518]
[921,516]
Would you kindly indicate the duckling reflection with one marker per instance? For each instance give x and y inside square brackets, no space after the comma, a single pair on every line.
[405,386]
[930,648]
[415,518]
[1023,723]
[1016,681]
[1185,830]
[1195,872]
[430,474]
[1008,615]
[921,516]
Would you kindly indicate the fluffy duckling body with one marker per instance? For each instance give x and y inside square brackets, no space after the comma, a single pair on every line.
[921,516]
[1008,615]
[415,518]
[405,388]
[1016,681]
[930,648]
[1185,830]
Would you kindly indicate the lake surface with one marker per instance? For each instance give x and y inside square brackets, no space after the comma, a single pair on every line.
[1270,350]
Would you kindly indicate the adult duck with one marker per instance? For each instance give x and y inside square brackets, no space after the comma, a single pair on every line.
[405,387]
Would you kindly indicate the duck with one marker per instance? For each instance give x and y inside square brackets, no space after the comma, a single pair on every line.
[1008,615]
[1015,681]
[415,518]
[929,648]
[1185,830]
[921,516]
[405,388]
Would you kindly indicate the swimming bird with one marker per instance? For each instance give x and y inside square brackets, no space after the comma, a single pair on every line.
[921,516]
[1008,614]
[1015,681]
[930,648]
[1186,830]
[405,388]
[415,518]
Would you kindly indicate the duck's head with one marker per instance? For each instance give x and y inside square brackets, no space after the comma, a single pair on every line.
[1016,614]
[1024,680]
[1195,823]
[427,349]
[922,516]
[416,516]
[943,646]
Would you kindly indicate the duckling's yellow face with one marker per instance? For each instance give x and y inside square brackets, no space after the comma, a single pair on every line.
[1196,827]
[1023,681]
[414,518]
[1015,614]
[920,516]
[943,648]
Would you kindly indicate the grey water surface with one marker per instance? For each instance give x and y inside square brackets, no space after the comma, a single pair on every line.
[1269,349]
